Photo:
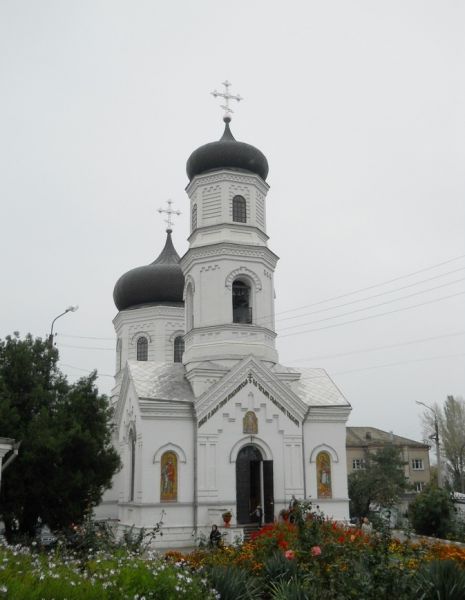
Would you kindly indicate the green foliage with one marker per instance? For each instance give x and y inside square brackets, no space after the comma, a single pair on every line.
[382,482]
[234,583]
[431,512]
[450,419]
[441,580]
[277,567]
[297,588]
[452,436]
[66,459]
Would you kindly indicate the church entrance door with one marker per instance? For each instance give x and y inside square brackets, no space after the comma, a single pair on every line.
[254,485]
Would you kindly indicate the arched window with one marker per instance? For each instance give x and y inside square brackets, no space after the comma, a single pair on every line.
[194,217]
[239,209]
[178,348]
[242,311]
[142,349]
[132,463]
[323,475]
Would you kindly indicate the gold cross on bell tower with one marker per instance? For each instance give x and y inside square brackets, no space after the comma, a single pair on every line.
[170,212]
[227,97]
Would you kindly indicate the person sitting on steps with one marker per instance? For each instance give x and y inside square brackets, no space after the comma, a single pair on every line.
[215,537]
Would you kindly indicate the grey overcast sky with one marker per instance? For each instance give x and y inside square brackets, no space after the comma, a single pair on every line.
[359,107]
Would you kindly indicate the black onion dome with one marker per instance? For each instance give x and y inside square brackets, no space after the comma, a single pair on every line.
[227,153]
[161,282]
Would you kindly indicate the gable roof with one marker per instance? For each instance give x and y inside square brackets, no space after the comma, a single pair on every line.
[160,381]
[371,436]
[316,388]
[239,376]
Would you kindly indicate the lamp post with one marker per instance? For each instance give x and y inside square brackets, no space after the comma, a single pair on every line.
[434,437]
[69,309]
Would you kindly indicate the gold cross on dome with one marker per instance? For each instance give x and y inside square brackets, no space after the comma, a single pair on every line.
[170,212]
[227,97]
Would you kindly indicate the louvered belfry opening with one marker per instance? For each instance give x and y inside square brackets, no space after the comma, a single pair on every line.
[242,311]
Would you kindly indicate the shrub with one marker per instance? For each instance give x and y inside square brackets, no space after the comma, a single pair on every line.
[431,512]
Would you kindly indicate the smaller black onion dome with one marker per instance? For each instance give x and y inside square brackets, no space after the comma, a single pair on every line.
[227,153]
[161,282]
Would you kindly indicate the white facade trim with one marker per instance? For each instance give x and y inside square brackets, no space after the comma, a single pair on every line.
[139,334]
[167,447]
[324,448]
[243,271]
[250,440]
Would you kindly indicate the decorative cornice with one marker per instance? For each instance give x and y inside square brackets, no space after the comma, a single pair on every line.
[226,250]
[154,312]
[236,327]
[328,413]
[231,225]
[166,410]
[226,175]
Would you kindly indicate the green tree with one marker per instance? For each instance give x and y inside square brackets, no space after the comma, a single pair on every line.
[66,459]
[451,420]
[381,482]
[432,511]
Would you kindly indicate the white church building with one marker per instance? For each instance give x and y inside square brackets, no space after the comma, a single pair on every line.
[206,418]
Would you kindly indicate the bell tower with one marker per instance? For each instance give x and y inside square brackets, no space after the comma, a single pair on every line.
[228,269]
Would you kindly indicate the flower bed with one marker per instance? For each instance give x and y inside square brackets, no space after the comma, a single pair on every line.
[310,558]
[26,575]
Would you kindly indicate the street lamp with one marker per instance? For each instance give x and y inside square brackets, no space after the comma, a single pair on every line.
[434,437]
[69,309]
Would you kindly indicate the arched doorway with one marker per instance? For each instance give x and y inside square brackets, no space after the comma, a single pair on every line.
[254,485]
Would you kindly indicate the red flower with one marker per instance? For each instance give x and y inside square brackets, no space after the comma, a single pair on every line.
[283,544]
[341,539]
[290,554]
[316,551]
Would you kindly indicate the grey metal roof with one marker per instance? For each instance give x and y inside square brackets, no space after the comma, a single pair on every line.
[161,282]
[316,388]
[160,381]
[371,436]
[227,153]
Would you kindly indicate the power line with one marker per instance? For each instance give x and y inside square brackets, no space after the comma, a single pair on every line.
[390,312]
[86,370]
[395,364]
[84,347]
[374,295]
[370,287]
[357,310]
[86,337]
[399,344]
[320,301]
